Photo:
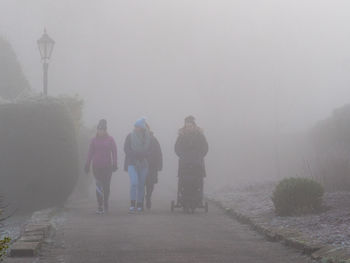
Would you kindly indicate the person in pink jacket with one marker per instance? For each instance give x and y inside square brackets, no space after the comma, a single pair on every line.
[103,156]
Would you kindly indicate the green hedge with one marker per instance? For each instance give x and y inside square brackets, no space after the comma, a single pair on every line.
[38,153]
[297,196]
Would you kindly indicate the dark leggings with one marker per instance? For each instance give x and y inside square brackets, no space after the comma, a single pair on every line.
[103,181]
[149,189]
[151,180]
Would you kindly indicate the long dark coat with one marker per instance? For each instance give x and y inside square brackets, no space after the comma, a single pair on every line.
[191,147]
[155,160]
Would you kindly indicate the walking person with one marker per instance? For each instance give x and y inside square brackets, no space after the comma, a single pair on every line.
[137,148]
[103,156]
[191,147]
[155,163]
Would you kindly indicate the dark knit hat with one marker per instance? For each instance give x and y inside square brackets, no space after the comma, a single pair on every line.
[102,125]
[190,119]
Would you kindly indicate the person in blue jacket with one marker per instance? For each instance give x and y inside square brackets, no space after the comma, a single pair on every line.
[137,149]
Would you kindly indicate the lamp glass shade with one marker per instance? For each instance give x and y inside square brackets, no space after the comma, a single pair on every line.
[45,45]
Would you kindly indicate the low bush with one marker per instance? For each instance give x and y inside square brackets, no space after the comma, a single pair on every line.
[39,153]
[294,196]
[4,245]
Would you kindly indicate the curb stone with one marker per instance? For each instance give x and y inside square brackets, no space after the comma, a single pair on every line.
[33,234]
[291,238]
[25,249]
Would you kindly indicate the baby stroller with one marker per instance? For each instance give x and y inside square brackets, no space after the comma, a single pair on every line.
[190,192]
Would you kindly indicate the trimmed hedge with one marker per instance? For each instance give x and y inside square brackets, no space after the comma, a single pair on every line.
[330,140]
[38,153]
[13,81]
[297,196]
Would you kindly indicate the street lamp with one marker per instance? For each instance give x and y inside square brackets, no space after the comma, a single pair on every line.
[45,44]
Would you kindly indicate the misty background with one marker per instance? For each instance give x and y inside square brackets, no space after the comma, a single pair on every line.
[256,74]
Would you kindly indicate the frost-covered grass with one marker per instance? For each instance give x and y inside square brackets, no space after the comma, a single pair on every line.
[331,226]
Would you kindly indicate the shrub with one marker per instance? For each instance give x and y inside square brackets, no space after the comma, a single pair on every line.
[296,196]
[75,106]
[13,82]
[39,153]
[4,245]
[330,140]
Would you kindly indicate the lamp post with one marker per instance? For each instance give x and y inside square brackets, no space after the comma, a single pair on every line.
[45,44]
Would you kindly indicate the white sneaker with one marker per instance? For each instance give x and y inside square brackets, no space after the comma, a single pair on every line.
[100,212]
[132,210]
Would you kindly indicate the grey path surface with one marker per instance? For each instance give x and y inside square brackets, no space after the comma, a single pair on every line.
[159,236]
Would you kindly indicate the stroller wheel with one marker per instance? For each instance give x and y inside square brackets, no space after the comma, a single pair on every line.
[172,206]
[206,207]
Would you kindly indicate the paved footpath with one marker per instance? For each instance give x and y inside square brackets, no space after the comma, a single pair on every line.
[159,236]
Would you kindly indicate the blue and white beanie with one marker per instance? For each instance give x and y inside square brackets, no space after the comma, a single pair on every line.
[141,123]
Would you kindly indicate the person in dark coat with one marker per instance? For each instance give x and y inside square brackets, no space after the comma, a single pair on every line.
[191,147]
[155,165]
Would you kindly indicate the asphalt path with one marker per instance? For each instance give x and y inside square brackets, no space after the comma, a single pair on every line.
[158,236]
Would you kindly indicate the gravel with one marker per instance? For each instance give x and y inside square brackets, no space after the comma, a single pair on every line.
[12,226]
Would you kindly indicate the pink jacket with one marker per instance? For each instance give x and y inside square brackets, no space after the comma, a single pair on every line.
[102,152]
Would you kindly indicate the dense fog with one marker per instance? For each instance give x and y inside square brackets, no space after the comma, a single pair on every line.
[257,75]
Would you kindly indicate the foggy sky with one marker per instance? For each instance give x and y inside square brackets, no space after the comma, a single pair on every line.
[239,66]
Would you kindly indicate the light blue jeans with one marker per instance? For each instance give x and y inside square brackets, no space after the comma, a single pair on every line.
[137,182]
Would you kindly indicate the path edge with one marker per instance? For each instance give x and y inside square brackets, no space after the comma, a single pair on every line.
[319,252]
